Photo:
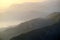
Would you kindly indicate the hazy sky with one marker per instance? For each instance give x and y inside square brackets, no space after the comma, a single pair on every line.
[6,3]
[13,11]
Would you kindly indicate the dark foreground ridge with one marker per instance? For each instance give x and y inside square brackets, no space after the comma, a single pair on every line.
[51,32]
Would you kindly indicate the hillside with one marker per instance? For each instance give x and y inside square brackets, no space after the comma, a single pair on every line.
[51,32]
[25,27]
[55,16]
[41,23]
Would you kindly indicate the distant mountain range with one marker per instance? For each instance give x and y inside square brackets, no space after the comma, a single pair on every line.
[39,24]
[51,32]
[34,24]
[25,27]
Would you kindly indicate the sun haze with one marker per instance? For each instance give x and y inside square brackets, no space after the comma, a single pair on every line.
[6,3]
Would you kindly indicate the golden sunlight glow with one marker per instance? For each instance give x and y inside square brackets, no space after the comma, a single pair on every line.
[6,3]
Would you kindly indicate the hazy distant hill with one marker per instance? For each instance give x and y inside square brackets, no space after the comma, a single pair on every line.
[25,27]
[40,23]
[55,16]
[51,32]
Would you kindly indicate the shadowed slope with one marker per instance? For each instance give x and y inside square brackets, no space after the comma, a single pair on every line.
[42,32]
[51,32]
[25,27]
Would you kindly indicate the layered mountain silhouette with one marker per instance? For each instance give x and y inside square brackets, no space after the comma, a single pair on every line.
[51,32]
[25,28]
[42,29]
